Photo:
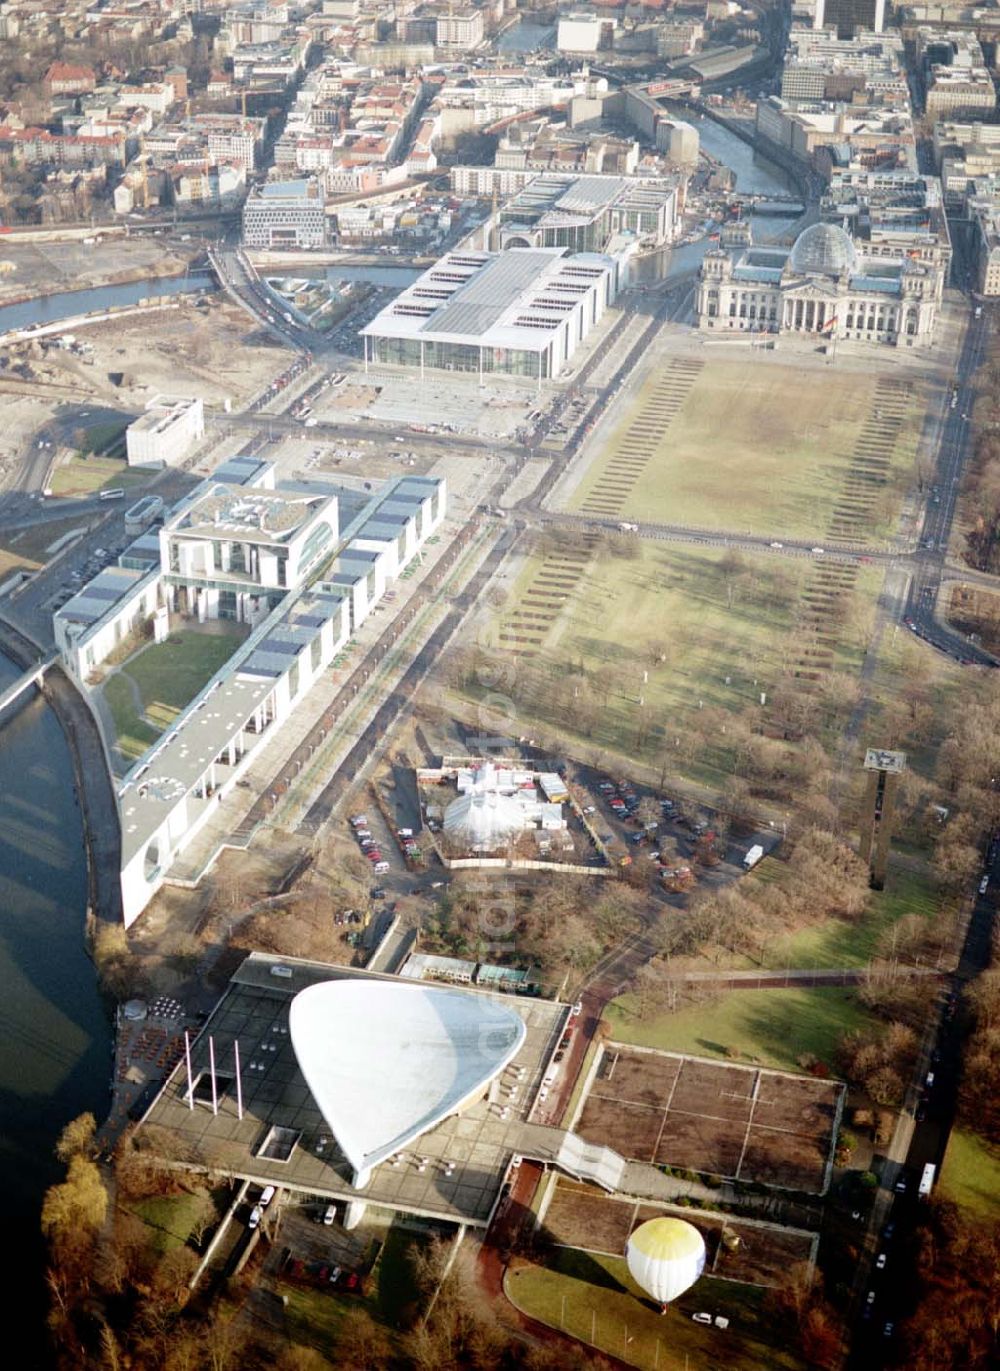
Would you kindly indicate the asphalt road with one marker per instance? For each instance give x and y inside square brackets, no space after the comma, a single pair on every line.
[953,448]
[932,1110]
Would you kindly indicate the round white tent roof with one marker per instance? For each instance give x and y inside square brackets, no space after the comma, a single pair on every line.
[484,818]
[386,1062]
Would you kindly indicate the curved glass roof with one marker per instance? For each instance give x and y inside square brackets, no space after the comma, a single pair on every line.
[824,249]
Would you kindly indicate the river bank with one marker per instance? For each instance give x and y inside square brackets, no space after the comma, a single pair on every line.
[55,1050]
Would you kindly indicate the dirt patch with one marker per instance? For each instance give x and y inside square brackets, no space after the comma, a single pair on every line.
[976,612]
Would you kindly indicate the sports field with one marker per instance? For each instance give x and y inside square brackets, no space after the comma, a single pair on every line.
[753,445]
[726,1120]
[593,1298]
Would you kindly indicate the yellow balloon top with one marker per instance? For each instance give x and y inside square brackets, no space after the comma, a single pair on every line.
[667,1240]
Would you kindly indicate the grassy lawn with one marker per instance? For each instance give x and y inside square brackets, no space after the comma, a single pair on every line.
[40,541]
[768,1027]
[134,735]
[755,446]
[104,434]
[843,942]
[172,1218]
[660,639]
[10,561]
[314,1316]
[970,1176]
[168,676]
[87,475]
[593,1298]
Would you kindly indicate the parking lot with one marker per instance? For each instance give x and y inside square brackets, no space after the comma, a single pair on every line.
[684,845]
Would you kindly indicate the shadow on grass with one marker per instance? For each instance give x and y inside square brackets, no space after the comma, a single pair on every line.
[719,1049]
[581,1266]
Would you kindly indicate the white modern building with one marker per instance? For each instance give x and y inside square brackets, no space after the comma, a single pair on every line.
[425,1053]
[821,287]
[271,557]
[285,214]
[521,313]
[166,432]
[591,213]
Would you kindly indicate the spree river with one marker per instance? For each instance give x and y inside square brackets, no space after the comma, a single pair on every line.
[55,1047]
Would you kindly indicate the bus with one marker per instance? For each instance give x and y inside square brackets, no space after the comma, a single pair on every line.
[927,1181]
[117,494]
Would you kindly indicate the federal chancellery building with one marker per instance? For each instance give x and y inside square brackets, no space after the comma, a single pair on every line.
[822,286]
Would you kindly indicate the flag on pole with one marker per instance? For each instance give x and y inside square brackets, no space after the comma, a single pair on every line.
[830,325]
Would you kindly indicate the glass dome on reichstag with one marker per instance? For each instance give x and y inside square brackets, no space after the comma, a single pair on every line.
[823,249]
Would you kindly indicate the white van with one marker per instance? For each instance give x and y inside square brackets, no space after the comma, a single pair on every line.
[380,868]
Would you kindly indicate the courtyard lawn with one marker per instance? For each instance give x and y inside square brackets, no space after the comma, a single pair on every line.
[170,674]
[134,736]
[767,1027]
[970,1176]
[847,942]
[755,446]
[593,1298]
[166,677]
[82,476]
[645,642]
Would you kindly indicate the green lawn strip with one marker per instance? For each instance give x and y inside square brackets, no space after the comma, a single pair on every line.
[768,1027]
[846,942]
[592,1297]
[103,434]
[171,673]
[970,1176]
[35,541]
[87,475]
[396,1296]
[134,734]
[171,1218]
[756,448]
[313,1317]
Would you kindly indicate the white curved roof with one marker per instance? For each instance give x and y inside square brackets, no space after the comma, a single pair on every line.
[484,818]
[387,1061]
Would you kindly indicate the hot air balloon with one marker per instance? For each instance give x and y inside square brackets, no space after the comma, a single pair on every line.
[665,1257]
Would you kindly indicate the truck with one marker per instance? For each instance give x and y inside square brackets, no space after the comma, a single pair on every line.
[752,857]
[628,528]
[927,1181]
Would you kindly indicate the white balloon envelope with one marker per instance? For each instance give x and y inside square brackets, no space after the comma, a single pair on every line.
[665,1257]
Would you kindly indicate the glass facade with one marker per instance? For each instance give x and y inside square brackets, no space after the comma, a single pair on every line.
[461,357]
